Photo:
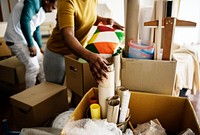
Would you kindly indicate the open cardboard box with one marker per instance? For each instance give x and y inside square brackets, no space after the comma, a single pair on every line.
[78,76]
[152,76]
[175,114]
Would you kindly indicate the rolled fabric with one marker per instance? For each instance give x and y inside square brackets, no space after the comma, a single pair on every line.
[95,111]
[113,110]
[103,94]
[115,97]
[124,106]
[106,90]
[110,81]
[119,91]
[117,65]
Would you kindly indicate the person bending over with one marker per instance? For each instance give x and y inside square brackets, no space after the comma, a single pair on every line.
[74,21]
[23,36]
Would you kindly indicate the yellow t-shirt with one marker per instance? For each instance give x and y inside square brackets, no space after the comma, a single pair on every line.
[79,14]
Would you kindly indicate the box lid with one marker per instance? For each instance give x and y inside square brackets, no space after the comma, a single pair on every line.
[35,95]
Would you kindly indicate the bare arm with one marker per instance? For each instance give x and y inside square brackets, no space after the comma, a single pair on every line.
[96,62]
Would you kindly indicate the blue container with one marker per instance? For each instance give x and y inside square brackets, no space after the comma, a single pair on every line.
[140,49]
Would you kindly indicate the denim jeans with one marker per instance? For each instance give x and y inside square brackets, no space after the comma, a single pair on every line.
[54,67]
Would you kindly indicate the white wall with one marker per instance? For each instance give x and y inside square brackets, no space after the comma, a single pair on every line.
[117,9]
[190,11]
[5,8]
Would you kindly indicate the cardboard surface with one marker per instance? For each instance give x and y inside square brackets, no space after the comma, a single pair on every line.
[153,76]
[175,114]
[12,88]
[36,105]
[12,71]
[4,49]
[3,26]
[78,76]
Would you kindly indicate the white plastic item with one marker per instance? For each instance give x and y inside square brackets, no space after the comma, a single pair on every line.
[60,121]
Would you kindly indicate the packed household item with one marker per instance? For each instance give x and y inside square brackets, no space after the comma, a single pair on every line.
[140,49]
[61,119]
[106,41]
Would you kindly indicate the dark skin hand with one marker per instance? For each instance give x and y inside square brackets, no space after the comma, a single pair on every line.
[114,24]
[97,64]
[33,51]
[48,7]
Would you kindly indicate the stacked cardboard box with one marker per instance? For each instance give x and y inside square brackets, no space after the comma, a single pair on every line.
[12,74]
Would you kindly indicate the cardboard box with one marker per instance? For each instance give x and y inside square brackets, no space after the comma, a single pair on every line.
[4,49]
[12,88]
[3,26]
[78,76]
[175,114]
[12,71]
[36,105]
[153,76]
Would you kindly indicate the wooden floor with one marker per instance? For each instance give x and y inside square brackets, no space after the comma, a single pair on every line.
[5,108]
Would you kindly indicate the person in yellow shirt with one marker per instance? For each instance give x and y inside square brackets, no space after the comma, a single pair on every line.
[74,21]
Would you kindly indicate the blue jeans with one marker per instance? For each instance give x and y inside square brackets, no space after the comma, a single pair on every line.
[54,67]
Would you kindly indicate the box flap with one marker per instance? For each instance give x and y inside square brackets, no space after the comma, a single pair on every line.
[80,110]
[190,119]
[37,94]
[153,76]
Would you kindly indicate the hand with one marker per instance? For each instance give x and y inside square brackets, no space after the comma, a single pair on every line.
[114,24]
[42,50]
[98,67]
[33,51]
